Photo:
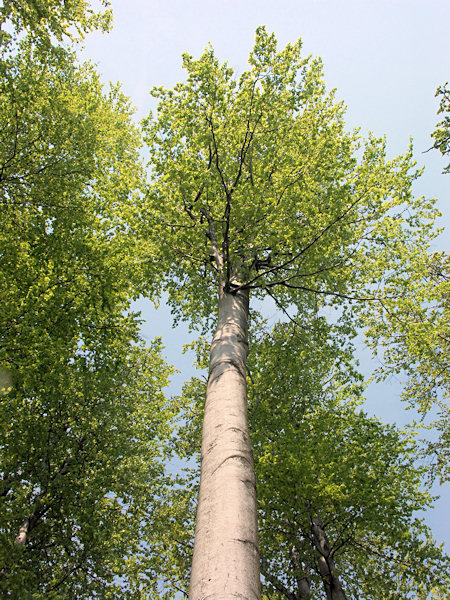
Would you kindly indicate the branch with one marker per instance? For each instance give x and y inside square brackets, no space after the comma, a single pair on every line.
[280,306]
[329,293]
[180,590]
[275,582]
[211,235]
[276,268]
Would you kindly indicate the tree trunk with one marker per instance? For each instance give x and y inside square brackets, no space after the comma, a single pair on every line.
[327,568]
[40,509]
[29,523]
[22,537]
[225,565]
[303,589]
[301,576]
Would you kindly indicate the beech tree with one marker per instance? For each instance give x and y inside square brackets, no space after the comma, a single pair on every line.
[257,188]
[339,492]
[83,421]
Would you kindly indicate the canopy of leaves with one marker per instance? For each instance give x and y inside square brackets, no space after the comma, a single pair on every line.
[257,184]
[47,19]
[409,330]
[82,449]
[83,419]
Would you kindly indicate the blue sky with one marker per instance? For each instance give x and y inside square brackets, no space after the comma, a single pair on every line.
[386,59]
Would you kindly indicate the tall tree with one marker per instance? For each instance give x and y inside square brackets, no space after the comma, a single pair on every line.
[83,427]
[258,188]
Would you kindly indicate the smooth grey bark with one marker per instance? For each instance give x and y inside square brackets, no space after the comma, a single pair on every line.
[226,560]
[28,525]
[40,509]
[304,589]
[327,568]
[22,537]
[303,581]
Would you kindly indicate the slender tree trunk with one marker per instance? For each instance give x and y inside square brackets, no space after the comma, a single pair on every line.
[303,581]
[40,509]
[226,561]
[22,537]
[29,523]
[304,589]
[327,568]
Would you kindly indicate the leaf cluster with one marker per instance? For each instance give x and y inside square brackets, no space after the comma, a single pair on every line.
[46,21]
[83,420]
[441,134]
[256,184]
[409,330]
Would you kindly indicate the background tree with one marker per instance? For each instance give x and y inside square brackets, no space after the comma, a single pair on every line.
[84,425]
[47,19]
[80,472]
[257,189]
[338,491]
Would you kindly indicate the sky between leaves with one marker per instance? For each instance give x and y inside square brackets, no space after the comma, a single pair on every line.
[385,58]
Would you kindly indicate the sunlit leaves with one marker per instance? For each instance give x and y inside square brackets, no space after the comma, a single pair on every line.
[256,182]
[47,19]
[318,456]
[84,426]
[409,329]
[441,134]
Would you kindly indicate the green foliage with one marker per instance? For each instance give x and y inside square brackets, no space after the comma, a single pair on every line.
[45,19]
[82,449]
[409,329]
[83,428]
[69,164]
[317,456]
[441,134]
[257,184]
